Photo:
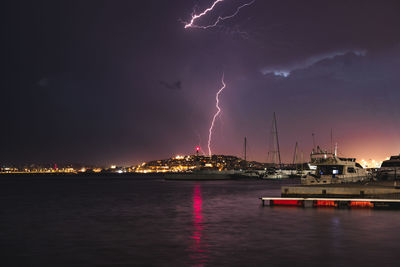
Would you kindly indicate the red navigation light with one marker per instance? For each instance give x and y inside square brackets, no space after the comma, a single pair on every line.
[197,148]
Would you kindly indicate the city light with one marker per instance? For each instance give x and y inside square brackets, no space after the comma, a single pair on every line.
[371,163]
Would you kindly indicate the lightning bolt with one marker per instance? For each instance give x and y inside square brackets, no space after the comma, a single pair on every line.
[192,24]
[215,115]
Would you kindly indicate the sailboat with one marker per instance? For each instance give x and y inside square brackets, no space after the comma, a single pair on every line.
[274,155]
[247,170]
[299,168]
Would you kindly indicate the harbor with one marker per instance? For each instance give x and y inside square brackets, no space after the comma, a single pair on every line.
[342,183]
[336,189]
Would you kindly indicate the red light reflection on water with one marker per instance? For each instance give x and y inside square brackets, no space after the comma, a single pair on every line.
[199,253]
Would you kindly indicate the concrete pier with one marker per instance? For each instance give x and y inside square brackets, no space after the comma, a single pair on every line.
[372,190]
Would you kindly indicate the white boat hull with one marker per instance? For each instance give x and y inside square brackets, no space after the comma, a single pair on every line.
[325,179]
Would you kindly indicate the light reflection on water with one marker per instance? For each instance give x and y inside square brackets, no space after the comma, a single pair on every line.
[199,247]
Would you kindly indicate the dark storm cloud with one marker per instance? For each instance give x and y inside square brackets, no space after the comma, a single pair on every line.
[172,86]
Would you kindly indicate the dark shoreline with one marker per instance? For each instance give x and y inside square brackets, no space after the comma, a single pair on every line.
[6,176]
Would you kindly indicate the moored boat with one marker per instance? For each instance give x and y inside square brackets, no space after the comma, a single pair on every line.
[390,169]
[273,174]
[332,169]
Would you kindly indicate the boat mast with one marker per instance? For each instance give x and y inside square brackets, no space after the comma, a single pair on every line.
[245,148]
[302,162]
[295,154]
[277,141]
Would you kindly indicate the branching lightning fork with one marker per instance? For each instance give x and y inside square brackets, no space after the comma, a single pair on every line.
[192,24]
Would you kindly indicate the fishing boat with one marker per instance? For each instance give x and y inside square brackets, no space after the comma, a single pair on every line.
[332,169]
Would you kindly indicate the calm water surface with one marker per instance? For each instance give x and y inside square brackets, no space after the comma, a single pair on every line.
[152,222]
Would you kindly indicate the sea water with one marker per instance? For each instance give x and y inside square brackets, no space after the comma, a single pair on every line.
[147,221]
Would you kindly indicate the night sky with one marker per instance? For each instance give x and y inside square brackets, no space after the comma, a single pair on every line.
[121,82]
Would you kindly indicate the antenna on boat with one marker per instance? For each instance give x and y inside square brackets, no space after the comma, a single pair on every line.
[331,141]
[335,149]
[313,140]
